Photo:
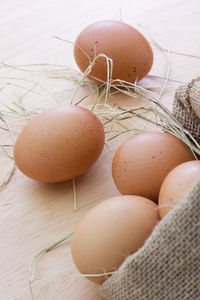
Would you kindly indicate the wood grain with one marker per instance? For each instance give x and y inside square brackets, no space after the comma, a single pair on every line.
[33,215]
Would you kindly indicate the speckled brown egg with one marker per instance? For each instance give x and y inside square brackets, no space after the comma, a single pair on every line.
[177,184]
[59,144]
[130,52]
[111,231]
[143,161]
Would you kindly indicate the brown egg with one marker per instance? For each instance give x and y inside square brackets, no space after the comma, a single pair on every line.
[110,232]
[59,144]
[177,184]
[143,161]
[131,53]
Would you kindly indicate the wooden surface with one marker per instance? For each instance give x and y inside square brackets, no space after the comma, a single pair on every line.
[34,215]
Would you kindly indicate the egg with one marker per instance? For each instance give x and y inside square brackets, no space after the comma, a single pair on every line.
[142,162]
[59,144]
[177,184]
[130,52]
[110,231]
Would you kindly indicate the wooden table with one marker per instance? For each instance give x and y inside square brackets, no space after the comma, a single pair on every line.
[34,215]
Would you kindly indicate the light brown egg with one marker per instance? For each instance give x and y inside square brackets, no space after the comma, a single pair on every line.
[110,232]
[177,184]
[131,53]
[143,161]
[59,144]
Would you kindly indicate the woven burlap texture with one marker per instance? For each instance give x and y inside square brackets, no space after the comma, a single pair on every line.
[167,267]
[186,107]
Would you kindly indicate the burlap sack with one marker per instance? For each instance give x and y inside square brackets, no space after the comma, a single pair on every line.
[186,107]
[167,267]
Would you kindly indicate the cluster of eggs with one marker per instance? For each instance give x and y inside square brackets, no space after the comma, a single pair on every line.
[152,170]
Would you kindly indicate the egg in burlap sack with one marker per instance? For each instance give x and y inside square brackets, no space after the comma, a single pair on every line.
[167,267]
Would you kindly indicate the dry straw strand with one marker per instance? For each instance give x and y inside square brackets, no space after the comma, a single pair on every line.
[41,253]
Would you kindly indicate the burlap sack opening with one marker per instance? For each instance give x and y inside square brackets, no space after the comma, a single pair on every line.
[167,267]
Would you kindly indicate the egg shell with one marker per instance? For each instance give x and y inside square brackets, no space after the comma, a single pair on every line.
[111,231]
[177,184]
[131,53]
[143,161]
[59,144]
